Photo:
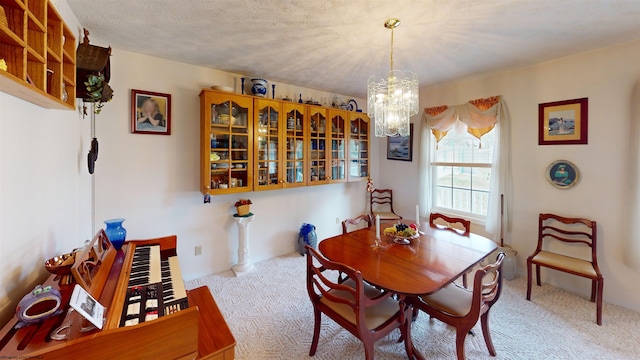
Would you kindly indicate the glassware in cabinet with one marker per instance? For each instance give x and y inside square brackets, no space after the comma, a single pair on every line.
[338,120]
[318,149]
[295,145]
[227,143]
[268,124]
[358,146]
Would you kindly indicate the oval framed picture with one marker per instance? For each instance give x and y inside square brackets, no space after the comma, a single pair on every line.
[562,174]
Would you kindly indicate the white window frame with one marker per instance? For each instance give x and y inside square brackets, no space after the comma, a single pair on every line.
[475,219]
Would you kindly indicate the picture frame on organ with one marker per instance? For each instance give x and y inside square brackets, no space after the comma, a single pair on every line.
[150,112]
[563,122]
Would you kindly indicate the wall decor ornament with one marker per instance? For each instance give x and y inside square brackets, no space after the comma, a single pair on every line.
[259,87]
[562,174]
[563,122]
[150,112]
[401,147]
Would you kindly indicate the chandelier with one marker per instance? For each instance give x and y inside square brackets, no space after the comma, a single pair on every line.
[392,101]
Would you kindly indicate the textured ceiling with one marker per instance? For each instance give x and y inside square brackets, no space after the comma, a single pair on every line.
[335,45]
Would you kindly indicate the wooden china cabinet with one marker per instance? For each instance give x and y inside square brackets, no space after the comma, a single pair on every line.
[318,146]
[338,120]
[226,146]
[296,137]
[358,146]
[250,143]
[268,124]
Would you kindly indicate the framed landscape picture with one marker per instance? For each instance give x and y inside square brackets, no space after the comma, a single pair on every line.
[400,147]
[563,122]
[150,112]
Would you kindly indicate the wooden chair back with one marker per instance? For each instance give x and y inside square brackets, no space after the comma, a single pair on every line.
[381,200]
[464,224]
[323,290]
[575,231]
[487,283]
[356,221]
[487,287]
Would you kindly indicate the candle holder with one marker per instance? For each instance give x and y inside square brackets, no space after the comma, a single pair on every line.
[242,85]
[273,91]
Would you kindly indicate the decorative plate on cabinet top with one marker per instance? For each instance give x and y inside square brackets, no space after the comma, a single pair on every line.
[352,105]
[222,88]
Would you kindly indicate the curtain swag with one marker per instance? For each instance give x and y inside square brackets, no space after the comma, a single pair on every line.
[479,116]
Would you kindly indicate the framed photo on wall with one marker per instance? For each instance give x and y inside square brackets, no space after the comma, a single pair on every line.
[400,147]
[563,122]
[562,174]
[150,112]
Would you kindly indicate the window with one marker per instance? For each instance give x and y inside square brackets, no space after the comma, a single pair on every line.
[461,173]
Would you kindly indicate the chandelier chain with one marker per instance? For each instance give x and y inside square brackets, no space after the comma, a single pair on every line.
[391,49]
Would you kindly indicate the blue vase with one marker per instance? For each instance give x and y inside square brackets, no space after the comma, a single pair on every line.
[259,87]
[115,232]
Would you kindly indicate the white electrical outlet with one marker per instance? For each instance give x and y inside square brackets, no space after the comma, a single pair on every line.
[198,250]
[337,220]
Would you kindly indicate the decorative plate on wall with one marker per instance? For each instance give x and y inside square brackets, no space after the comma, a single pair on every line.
[562,174]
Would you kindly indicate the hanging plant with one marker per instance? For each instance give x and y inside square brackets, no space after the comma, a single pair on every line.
[98,91]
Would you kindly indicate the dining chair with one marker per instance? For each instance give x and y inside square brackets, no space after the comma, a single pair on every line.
[381,203]
[464,228]
[355,221]
[575,231]
[366,312]
[461,308]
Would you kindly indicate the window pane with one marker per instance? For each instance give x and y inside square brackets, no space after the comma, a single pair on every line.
[462,177]
[480,202]
[462,200]
[463,188]
[481,178]
[443,197]
[460,146]
[443,175]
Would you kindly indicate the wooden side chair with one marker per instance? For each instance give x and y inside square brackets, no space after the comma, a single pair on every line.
[367,313]
[462,308]
[576,231]
[464,229]
[381,202]
[356,221]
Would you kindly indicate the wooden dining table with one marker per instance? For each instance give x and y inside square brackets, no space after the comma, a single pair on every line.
[428,263]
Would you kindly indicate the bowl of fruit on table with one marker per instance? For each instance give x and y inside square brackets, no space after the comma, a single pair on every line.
[402,233]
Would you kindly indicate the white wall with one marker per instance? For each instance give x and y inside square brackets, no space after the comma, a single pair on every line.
[153,181]
[44,188]
[607,77]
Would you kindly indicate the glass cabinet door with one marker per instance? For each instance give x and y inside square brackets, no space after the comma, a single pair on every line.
[318,146]
[295,149]
[268,126]
[338,123]
[228,143]
[358,147]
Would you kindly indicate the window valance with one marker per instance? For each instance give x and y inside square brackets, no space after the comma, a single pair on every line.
[479,116]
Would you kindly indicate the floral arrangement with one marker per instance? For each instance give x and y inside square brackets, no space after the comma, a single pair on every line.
[241,202]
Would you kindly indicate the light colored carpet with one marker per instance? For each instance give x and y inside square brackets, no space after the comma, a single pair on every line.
[270,315]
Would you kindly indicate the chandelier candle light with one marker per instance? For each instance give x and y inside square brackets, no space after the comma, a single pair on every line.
[392,101]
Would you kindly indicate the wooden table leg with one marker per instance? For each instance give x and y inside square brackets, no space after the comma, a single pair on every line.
[407,310]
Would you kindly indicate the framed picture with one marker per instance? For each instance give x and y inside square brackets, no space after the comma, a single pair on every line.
[400,147]
[150,112]
[563,122]
[562,174]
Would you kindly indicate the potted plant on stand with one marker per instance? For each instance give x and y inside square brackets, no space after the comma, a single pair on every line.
[243,207]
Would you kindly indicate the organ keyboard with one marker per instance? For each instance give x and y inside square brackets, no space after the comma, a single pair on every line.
[149,313]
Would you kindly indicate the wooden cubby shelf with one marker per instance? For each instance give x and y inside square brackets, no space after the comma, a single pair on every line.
[39,50]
